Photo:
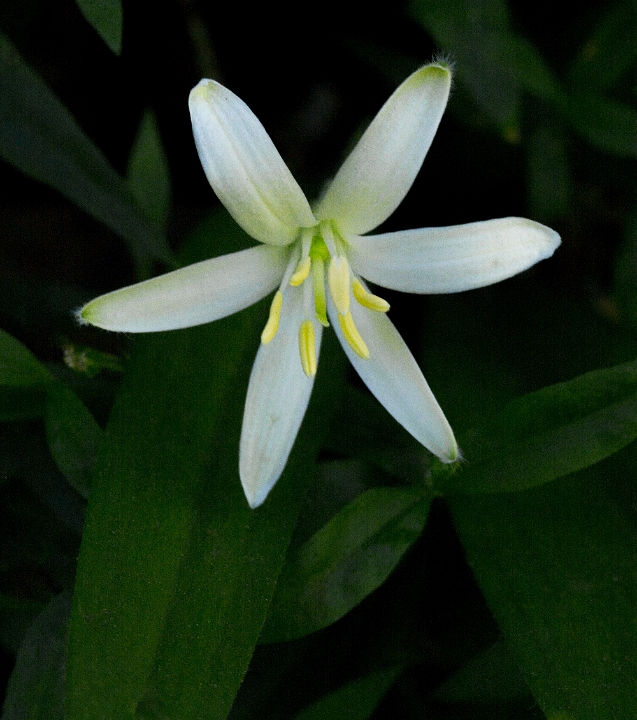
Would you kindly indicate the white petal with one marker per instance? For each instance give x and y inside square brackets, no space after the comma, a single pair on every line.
[244,168]
[382,167]
[451,259]
[193,295]
[278,394]
[393,376]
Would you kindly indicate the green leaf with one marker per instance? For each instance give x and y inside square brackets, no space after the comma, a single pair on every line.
[610,52]
[607,124]
[36,686]
[557,567]
[345,561]
[73,435]
[147,172]
[40,138]
[355,701]
[18,366]
[16,616]
[548,176]
[625,275]
[491,677]
[176,573]
[474,33]
[544,435]
[23,381]
[106,17]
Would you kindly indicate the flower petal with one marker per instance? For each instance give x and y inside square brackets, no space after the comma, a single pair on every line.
[244,168]
[278,394]
[451,259]
[193,295]
[393,376]
[382,167]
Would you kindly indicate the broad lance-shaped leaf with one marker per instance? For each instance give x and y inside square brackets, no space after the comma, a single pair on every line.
[40,138]
[23,381]
[106,17]
[557,567]
[147,172]
[73,436]
[552,432]
[345,561]
[176,572]
[36,686]
[492,676]
[355,701]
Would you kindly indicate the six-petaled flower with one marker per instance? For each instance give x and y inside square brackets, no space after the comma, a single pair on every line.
[317,261]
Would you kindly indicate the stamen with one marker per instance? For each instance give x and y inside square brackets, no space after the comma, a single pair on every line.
[353,337]
[366,299]
[307,348]
[271,327]
[338,277]
[302,271]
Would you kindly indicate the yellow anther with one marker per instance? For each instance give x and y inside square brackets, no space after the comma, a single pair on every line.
[353,337]
[269,331]
[307,348]
[302,271]
[366,299]
[338,277]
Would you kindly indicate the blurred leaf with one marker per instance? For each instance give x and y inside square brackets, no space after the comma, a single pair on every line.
[607,124]
[557,567]
[73,435]
[491,677]
[345,561]
[548,177]
[552,432]
[23,381]
[355,701]
[474,34]
[176,572]
[368,432]
[625,275]
[16,616]
[147,172]
[610,52]
[39,136]
[106,17]
[36,686]
[18,366]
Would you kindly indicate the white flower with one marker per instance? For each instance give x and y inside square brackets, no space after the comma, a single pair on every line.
[317,259]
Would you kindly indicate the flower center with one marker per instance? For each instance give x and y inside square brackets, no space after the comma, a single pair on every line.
[321,246]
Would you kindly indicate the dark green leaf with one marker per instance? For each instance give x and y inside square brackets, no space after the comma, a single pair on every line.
[106,17]
[176,572]
[40,138]
[491,677]
[555,431]
[610,52]
[36,687]
[16,617]
[557,567]
[73,435]
[607,124]
[355,701]
[18,366]
[548,176]
[345,561]
[147,173]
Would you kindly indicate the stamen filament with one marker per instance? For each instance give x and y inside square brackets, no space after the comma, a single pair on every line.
[302,271]
[366,299]
[353,337]
[307,348]
[271,327]
[338,277]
